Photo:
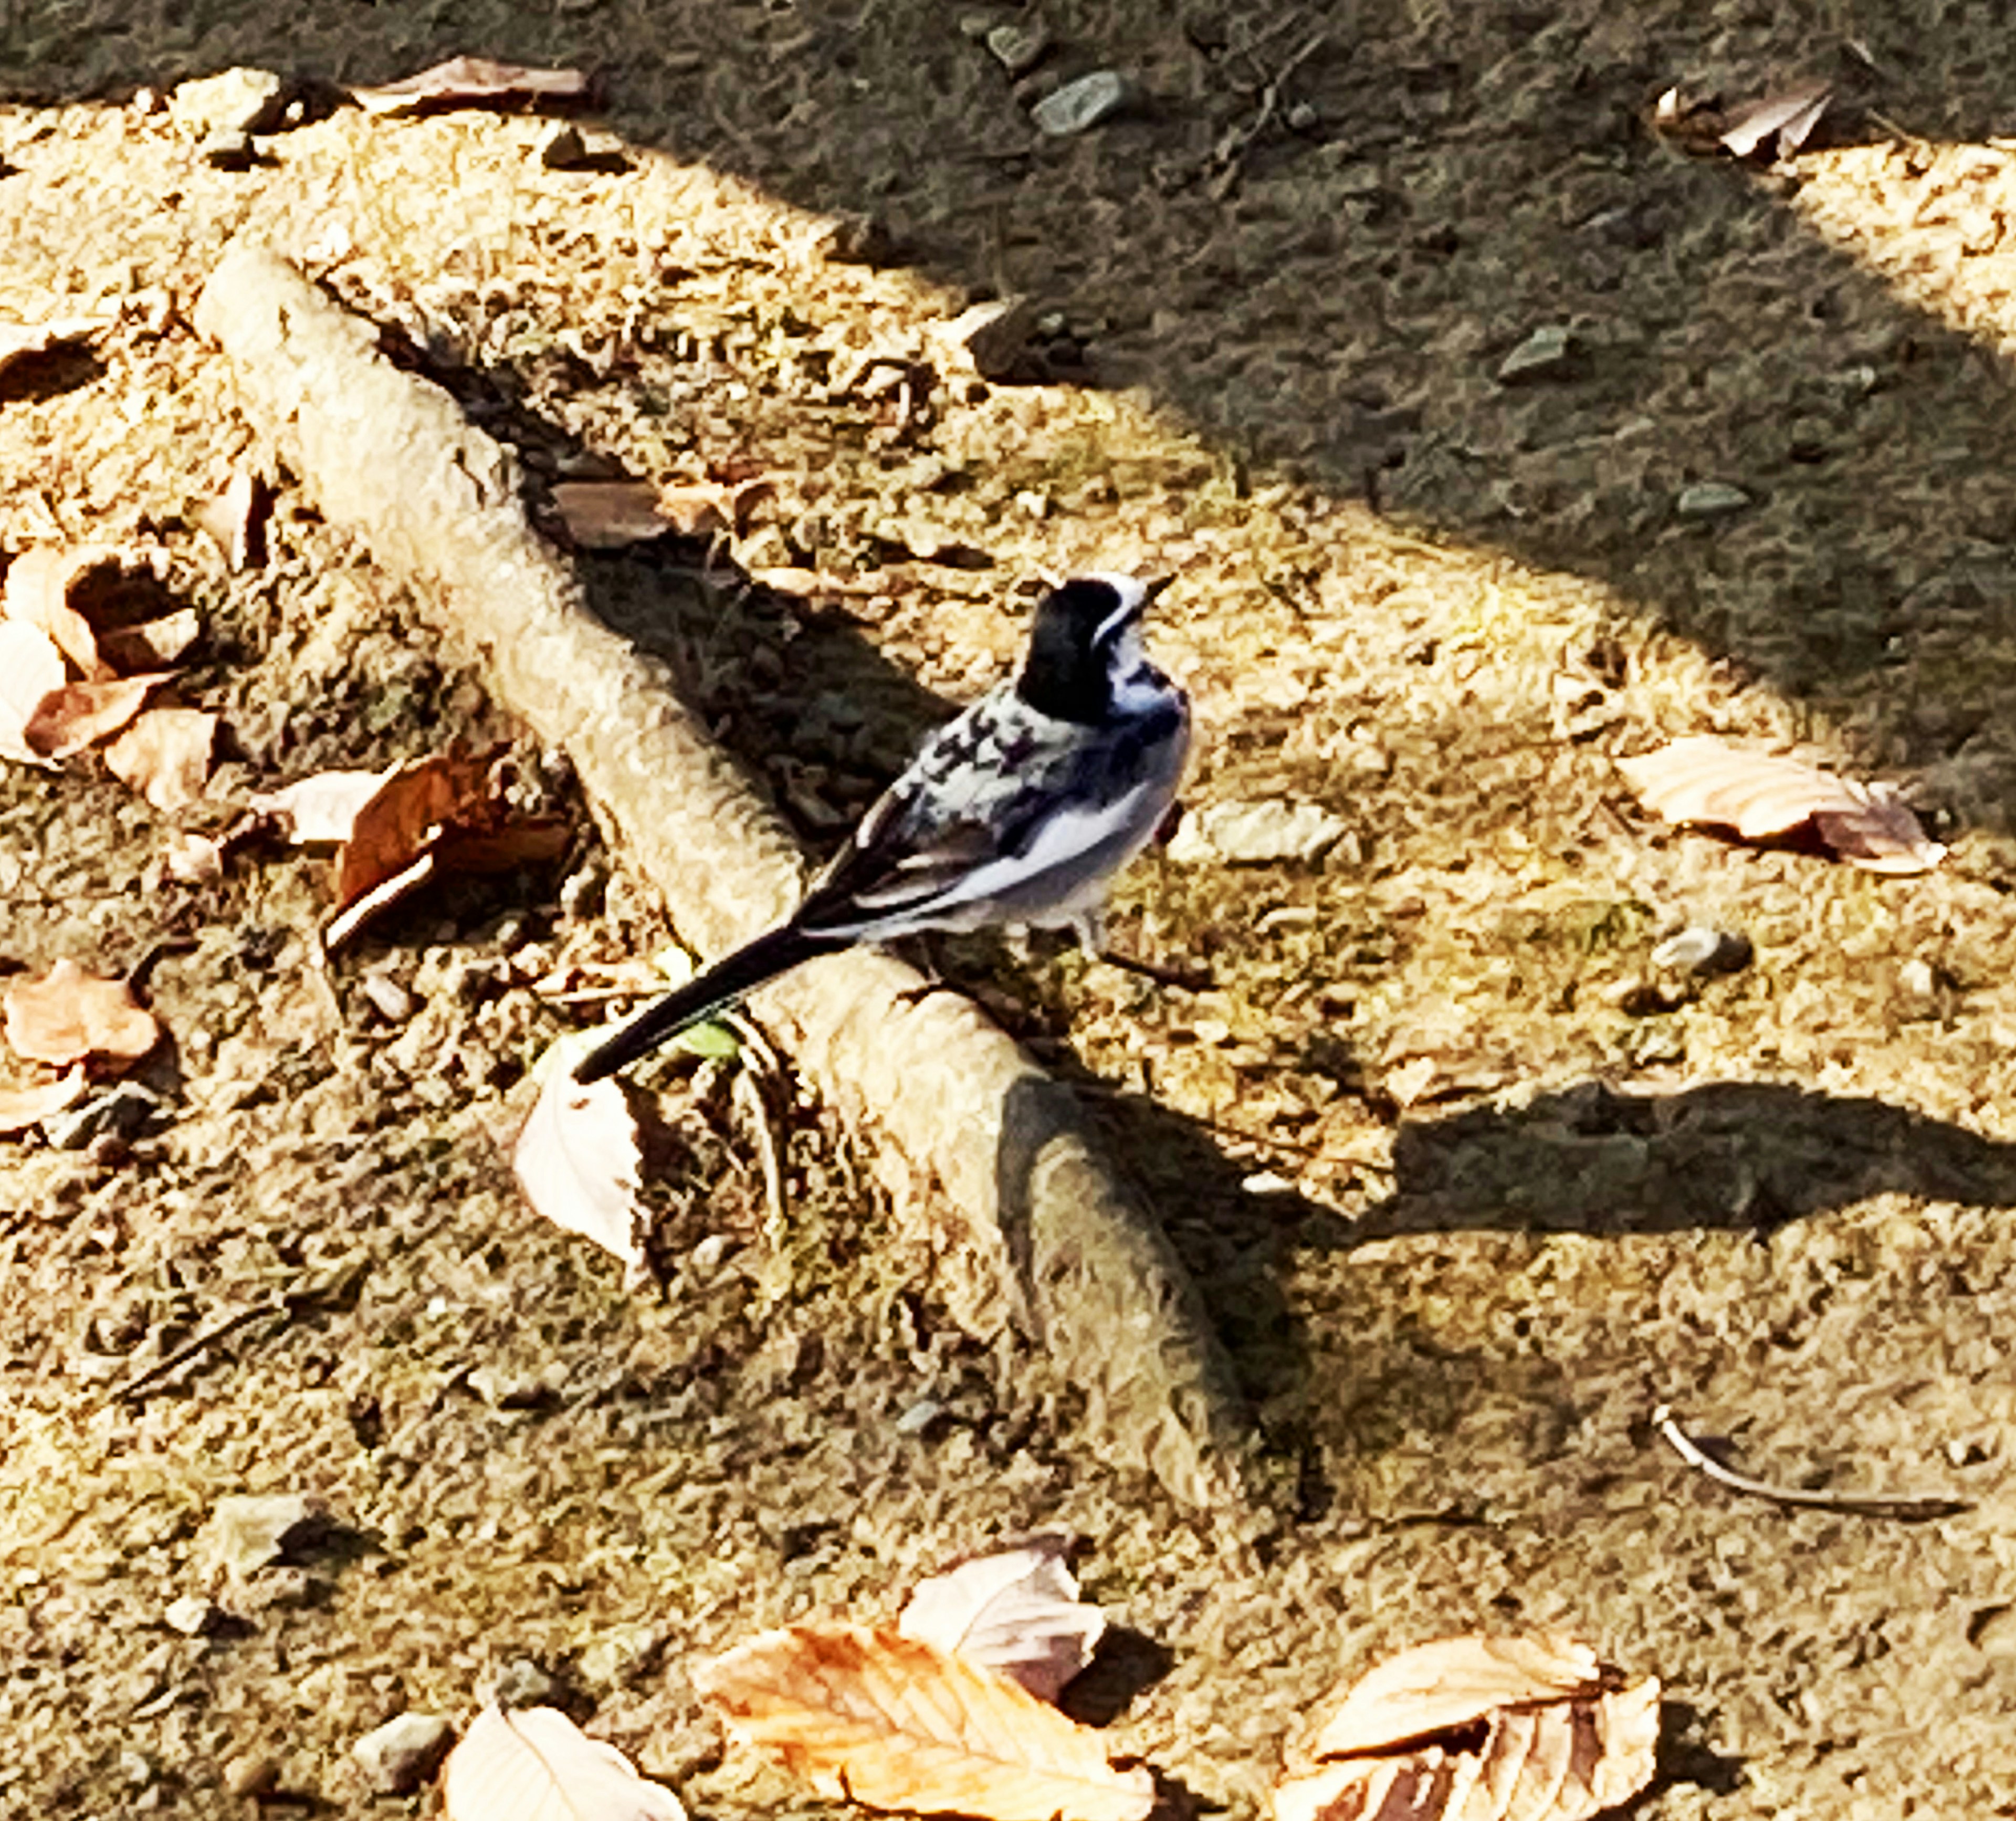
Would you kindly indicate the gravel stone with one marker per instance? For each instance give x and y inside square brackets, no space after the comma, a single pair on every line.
[1018,49]
[241,101]
[1700,949]
[1080,106]
[399,1756]
[249,1531]
[192,1615]
[1257,833]
[1711,499]
[1549,352]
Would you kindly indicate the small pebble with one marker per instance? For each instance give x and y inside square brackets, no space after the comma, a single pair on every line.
[1302,117]
[565,150]
[706,1257]
[522,1683]
[192,1615]
[1711,499]
[136,1769]
[1699,949]
[1018,49]
[229,151]
[401,1755]
[1547,353]
[250,1773]
[248,1531]
[393,1001]
[1918,978]
[1080,106]
[920,1416]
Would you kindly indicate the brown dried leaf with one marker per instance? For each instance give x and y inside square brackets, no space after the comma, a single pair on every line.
[1015,1611]
[23,1107]
[68,1015]
[893,1723]
[165,756]
[604,515]
[578,1159]
[1761,794]
[22,340]
[1787,119]
[81,714]
[473,82]
[1561,1742]
[31,670]
[535,1764]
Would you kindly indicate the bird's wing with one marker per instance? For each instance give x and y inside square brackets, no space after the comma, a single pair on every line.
[995,798]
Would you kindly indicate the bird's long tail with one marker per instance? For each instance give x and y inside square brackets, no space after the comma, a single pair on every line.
[727,981]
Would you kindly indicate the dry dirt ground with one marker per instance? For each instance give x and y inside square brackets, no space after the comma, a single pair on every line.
[1470,1189]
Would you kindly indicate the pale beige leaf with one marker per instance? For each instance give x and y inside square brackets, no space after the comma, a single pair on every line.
[1627,1743]
[235,520]
[23,1107]
[472,82]
[152,644]
[31,670]
[19,341]
[578,1160]
[893,1723]
[1780,123]
[195,860]
[38,594]
[165,756]
[1453,1682]
[1760,795]
[321,810]
[68,1015]
[81,714]
[535,1764]
[1016,1611]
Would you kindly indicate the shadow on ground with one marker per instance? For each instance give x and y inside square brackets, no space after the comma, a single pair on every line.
[1334,298]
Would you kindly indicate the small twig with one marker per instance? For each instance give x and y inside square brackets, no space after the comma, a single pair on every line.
[750,1098]
[201,1343]
[1899,1505]
[1230,157]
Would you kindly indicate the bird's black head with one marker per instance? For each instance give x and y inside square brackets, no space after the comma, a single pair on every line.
[1079,641]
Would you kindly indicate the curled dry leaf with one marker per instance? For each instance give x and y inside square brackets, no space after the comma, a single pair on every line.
[165,756]
[23,1107]
[321,810]
[1561,1739]
[578,1158]
[68,1015]
[1780,124]
[535,1764]
[101,603]
[1761,795]
[893,1723]
[31,670]
[472,82]
[446,814]
[235,520]
[1016,1611]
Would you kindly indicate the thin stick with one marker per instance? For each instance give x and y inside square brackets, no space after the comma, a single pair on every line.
[1898,1505]
[751,1098]
[199,1343]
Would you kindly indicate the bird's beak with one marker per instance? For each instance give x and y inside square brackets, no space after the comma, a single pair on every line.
[1152,585]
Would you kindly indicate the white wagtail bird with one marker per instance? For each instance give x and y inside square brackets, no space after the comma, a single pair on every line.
[1019,813]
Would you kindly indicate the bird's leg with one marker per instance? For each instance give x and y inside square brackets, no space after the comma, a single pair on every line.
[924,955]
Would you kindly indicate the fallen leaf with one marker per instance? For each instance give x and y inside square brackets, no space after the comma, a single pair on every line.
[92,600]
[893,1723]
[321,810]
[473,82]
[22,340]
[444,814]
[165,756]
[1788,119]
[1451,1683]
[1762,794]
[23,1107]
[195,860]
[81,714]
[1016,1611]
[31,670]
[603,515]
[535,1764]
[68,1015]
[1560,1739]
[235,520]
[578,1158]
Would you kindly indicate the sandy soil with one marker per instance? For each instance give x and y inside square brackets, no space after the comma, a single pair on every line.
[1471,1187]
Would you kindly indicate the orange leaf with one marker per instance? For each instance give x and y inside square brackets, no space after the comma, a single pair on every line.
[165,756]
[1761,794]
[892,1723]
[68,1015]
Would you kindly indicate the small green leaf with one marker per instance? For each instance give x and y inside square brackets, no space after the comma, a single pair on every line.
[716,1042]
